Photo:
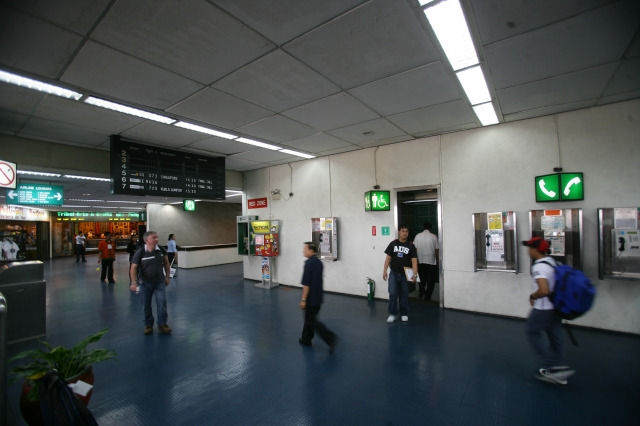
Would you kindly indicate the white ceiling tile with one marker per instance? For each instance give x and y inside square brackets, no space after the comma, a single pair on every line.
[277,82]
[276,129]
[384,35]
[219,109]
[368,131]
[569,88]
[32,45]
[332,112]
[423,86]
[597,37]
[126,78]
[281,21]
[153,133]
[192,38]
[317,143]
[434,118]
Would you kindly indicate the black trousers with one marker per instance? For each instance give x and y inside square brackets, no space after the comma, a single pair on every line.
[312,325]
[428,275]
[80,251]
[107,270]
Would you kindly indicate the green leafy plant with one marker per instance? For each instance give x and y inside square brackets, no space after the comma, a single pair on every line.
[67,361]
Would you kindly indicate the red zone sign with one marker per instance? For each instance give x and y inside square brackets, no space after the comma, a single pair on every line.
[257,203]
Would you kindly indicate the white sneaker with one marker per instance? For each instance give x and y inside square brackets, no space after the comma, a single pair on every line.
[391,319]
[404,318]
[560,377]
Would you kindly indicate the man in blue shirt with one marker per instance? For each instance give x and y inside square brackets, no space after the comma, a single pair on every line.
[312,299]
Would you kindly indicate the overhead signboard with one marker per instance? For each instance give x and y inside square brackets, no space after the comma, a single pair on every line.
[7,174]
[377,201]
[138,169]
[36,194]
[102,216]
[559,187]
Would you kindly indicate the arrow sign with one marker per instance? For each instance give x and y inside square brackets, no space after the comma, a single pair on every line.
[36,194]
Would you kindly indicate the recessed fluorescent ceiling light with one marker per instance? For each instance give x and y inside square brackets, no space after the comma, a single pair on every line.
[38,85]
[234,191]
[256,143]
[474,85]
[448,23]
[204,130]
[486,114]
[87,178]
[232,195]
[25,172]
[128,110]
[298,154]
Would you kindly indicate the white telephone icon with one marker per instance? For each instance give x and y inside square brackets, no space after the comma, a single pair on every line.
[548,193]
[567,188]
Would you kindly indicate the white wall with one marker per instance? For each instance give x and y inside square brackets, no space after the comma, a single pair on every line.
[480,170]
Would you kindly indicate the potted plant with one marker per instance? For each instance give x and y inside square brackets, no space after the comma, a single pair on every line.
[73,364]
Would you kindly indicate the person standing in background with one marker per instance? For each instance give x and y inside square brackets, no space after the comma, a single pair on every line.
[107,255]
[311,300]
[80,246]
[172,250]
[427,246]
[132,246]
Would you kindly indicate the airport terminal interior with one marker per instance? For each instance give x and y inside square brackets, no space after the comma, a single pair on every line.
[234,359]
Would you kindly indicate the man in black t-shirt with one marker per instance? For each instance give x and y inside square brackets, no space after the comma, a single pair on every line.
[401,254]
[146,272]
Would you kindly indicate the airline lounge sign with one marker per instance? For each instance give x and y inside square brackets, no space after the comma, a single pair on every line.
[560,187]
[36,194]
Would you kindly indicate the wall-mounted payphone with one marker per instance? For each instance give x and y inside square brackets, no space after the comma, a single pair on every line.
[495,241]
[619,242]
[562,228]
[324,232]
[243,233]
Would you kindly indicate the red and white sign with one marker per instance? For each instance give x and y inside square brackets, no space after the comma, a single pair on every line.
[257,203]
[7,175]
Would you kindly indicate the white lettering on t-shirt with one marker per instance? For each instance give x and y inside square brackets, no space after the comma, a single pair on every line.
[400,250]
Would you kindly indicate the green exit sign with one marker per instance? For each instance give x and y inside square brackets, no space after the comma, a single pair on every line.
[559,187]
[377,201]
[189,205]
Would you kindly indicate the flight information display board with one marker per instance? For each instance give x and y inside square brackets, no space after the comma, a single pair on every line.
[138,169]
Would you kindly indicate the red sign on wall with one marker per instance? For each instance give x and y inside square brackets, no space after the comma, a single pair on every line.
[257,203]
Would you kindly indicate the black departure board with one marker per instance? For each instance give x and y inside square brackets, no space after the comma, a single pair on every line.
[138,169]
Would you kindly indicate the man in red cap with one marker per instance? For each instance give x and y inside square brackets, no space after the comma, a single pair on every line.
[543,320]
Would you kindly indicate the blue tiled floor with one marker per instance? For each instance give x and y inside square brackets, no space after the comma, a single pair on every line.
[234,359]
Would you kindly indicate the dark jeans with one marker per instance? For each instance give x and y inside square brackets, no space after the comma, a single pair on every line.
[311,325]
[428,275]
[107,270]
[544,332]
[80,251]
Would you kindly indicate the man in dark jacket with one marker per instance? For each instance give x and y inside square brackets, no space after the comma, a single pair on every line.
[312,299]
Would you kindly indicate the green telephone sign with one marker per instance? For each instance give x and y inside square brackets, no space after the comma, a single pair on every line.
[559,187]
[377,201]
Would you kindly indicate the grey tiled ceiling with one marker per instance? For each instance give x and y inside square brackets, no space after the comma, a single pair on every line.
[318,76]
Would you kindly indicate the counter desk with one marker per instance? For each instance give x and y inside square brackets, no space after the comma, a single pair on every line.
[207,255]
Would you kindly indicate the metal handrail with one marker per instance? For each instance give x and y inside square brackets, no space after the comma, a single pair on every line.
[3,360]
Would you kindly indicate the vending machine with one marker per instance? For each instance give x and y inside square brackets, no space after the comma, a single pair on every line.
[264,241]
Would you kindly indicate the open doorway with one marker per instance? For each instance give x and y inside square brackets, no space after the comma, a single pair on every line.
[415,207]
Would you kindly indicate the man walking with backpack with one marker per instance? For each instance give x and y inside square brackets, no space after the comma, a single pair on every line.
[543,319]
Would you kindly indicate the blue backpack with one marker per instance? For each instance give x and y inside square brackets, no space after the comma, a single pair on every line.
[573,293]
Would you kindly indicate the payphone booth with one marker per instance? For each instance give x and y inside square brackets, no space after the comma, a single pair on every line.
[242,236]
[619,243]
[562,228]
[496,242]
[264,241]
[324,233]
